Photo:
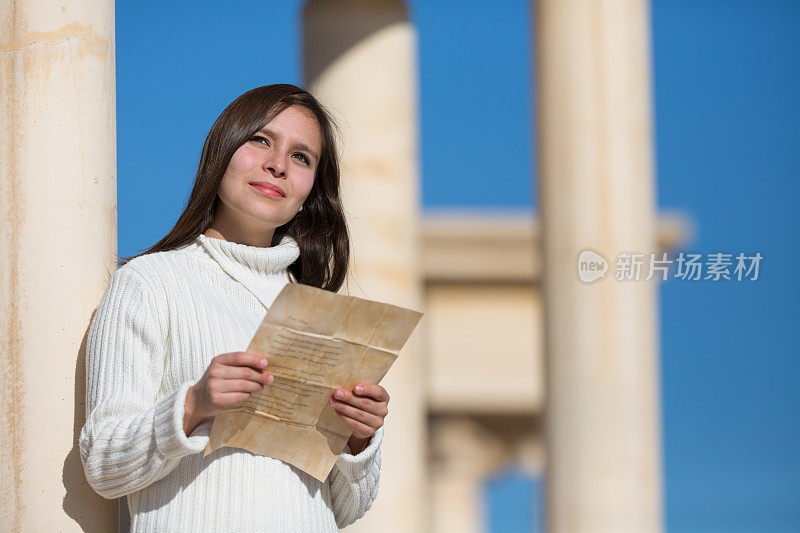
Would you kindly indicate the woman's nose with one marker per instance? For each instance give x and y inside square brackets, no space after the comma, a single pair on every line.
[276,165]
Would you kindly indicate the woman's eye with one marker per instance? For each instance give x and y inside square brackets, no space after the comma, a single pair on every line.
[303,158]
[259,138]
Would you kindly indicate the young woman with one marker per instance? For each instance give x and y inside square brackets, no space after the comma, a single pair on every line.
[164,347]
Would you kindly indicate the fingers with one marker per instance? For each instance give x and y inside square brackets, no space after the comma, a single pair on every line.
[226,399]
[221,371]
[366,403]
[372,390]
[237,385]
[360,429]
[241,365]
[230,379]
[222,393]
[366,423]
[252,360]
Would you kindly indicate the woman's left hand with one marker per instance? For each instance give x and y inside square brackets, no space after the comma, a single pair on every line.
[363,409]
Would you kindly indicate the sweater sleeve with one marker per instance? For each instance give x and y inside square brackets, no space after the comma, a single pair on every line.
[130,439]
[354,481]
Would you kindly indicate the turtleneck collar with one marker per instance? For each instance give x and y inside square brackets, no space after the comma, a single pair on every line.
[257,268]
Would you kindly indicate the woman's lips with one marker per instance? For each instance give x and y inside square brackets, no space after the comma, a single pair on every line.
[267,191]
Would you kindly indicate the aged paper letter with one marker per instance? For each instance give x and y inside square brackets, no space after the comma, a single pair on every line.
[315,341]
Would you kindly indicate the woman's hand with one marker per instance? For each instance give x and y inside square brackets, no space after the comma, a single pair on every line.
[229,379]
[363,410]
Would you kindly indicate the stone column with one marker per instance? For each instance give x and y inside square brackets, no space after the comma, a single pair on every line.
[464,453]
[360,61]
[57,246]
[596,191]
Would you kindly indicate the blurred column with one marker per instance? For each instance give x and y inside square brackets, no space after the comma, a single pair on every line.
[464,453]
[596,190]
[360,61]
[57,246]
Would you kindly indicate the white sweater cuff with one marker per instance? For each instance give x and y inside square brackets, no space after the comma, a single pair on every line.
[358,466]
[172,442]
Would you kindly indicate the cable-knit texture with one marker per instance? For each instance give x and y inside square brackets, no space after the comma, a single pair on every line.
[162,319]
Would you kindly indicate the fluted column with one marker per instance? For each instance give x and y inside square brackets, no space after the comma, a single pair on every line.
[57,246]
[360,61]
[596,191]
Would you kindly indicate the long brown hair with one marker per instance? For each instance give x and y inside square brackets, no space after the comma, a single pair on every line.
[319,228]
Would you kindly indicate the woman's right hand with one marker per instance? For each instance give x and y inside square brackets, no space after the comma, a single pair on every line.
[229,379]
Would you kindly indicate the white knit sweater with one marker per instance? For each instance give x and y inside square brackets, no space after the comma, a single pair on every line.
[162,319]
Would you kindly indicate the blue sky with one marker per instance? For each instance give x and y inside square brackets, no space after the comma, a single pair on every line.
[727,134]
[728,125]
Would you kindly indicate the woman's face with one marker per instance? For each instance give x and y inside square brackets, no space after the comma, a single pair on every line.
[269,177]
